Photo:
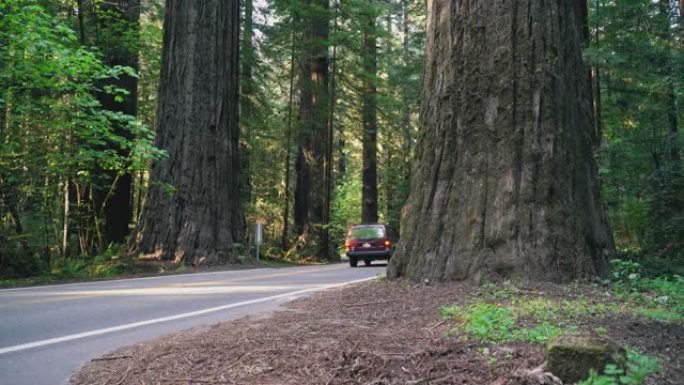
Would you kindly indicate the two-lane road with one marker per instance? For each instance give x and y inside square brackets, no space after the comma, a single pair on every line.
[48,332]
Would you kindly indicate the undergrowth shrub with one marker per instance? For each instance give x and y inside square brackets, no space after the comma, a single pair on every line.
[637,367]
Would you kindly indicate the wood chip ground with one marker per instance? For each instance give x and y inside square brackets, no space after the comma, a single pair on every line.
[376,333]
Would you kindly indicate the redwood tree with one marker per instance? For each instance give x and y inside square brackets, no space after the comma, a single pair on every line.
[310,205]
[117,35]
[192,210]
[369,196]
[505,182]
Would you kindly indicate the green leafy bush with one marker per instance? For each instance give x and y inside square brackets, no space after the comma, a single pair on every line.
[637,368]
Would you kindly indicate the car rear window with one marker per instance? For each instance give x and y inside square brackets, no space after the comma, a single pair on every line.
[361,233]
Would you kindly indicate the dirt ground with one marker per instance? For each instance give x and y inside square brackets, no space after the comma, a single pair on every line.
[373,333]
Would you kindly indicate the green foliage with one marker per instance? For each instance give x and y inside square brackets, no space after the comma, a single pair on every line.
[638,56]
[659,298]
[54,136]
[637,368]
[625,271]
[346,208]
[487,322]
[502,312]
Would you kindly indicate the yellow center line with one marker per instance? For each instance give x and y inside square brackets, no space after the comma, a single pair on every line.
[229,280]
[58,297]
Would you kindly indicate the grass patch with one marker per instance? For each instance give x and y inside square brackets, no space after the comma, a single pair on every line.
[495,323]
[501,313]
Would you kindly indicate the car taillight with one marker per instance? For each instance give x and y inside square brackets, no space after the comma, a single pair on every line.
[346,245]
[388,244]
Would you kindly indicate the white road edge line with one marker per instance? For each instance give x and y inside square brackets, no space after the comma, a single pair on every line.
[113,329]
[263,269]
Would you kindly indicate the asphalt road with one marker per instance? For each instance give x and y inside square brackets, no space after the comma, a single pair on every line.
[48,332]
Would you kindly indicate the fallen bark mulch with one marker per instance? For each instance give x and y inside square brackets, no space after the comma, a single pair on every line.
[373,333]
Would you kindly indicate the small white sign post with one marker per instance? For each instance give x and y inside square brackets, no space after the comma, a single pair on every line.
[258,237]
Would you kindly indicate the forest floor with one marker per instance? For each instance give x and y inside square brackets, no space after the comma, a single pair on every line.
[384,332]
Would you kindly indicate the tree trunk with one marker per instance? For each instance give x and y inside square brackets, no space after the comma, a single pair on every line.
[113,194]
[406,108]
[670,95]
[596,81]
[288,144]
[247,98]
[505,180]
[328,165]
[313,113]
[192,211]
[369,205]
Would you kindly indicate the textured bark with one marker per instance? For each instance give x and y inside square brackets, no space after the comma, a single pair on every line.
[505,182]
[116,205]
[309,204]
[369,196]
[200,218]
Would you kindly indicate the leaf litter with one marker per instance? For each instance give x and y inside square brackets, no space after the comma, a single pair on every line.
[375,333]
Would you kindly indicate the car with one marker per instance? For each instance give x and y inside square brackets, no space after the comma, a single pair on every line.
[369,242]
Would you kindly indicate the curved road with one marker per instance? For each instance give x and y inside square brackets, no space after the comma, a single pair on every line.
[48,332]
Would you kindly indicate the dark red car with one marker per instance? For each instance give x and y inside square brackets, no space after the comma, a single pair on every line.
[369,242]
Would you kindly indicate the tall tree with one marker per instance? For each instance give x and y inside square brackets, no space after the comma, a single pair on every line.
[192,210]
[505,181]
[310,195]
[369,198]
[406,106]
[247,96]
[117,36]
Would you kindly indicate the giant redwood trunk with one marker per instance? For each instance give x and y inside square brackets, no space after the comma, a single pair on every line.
[309,207]
[505,182]
[192,210]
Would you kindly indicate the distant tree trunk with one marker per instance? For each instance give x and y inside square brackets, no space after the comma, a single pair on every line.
[505,182]
[341,142]
[369,203]
[406,108]
[328,165]
[192,211]
[81,22]
[247,97]
[288,144]
[120,22]
[670,95]
[596,82]
[313,117]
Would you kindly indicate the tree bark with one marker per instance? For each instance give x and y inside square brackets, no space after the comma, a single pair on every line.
[369,199]
[192,211]
[313,113]
[505,181]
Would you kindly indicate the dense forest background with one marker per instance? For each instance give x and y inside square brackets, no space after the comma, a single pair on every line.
[78,101]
